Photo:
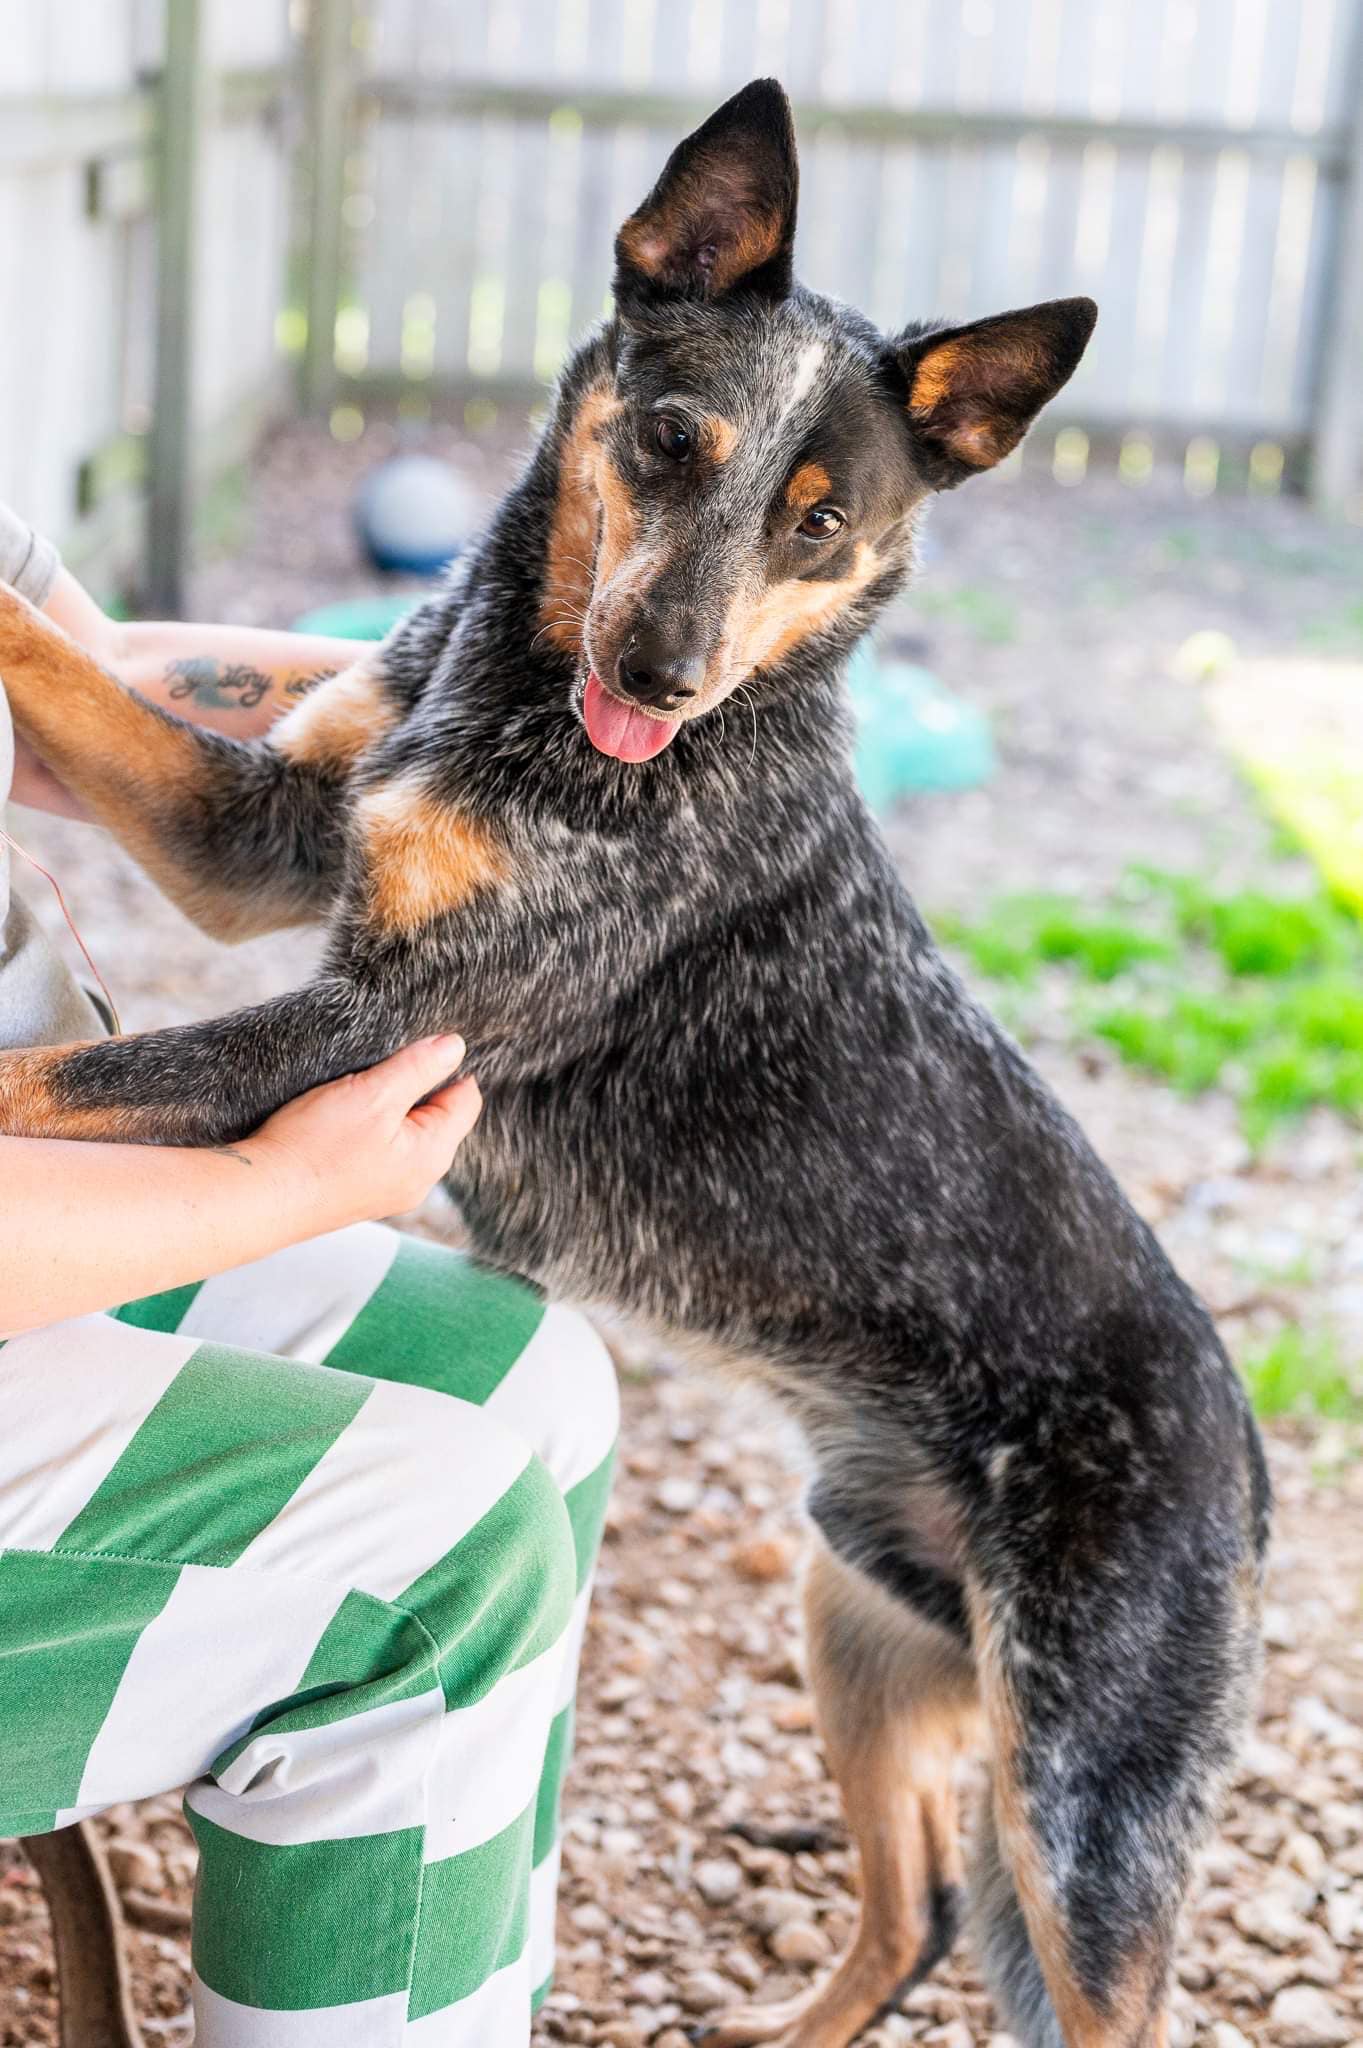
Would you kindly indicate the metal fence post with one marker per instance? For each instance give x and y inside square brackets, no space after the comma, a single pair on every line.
[1337,432]
[182,109]
[327,133]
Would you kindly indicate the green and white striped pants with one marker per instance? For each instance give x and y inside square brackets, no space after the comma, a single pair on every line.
[316,1538]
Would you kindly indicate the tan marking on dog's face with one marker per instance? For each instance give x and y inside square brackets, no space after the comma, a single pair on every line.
[766,631]
[423,858]
[719,437]
[338,721]
[573,530]
[810,484]
[619,521]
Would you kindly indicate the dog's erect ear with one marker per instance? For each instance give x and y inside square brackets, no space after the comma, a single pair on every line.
[974,391]
[723,212]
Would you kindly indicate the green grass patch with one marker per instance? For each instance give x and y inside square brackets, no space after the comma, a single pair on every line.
[1026,931]
[1298,1372]
[1256,993]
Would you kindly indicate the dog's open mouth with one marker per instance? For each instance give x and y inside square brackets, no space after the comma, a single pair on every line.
[620,729]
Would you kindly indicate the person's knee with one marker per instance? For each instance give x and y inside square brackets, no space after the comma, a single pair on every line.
[586,1371]
[561,1395]
[504,1591]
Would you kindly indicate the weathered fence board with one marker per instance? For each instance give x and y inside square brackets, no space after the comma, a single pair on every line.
[79,181]
[1184,160]
[464,164]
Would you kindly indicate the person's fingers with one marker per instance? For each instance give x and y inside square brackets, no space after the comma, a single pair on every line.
[450,1113]
[406,1076]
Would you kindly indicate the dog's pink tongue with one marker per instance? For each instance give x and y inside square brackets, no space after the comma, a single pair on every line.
[618,729]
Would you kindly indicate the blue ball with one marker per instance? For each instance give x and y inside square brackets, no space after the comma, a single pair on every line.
[413,514]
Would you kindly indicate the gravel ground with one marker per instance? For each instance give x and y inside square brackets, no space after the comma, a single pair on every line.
[1059,612]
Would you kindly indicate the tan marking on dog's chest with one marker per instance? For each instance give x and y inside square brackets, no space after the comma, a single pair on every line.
[573,529]
[423,858]
[338,721]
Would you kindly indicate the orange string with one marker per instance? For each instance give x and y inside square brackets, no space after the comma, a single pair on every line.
[15,847]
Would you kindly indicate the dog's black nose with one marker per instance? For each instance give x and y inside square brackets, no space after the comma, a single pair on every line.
[655,670]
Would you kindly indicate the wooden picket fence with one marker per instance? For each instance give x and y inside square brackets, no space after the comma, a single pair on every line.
[124,383]
[1191,163]
[418,198]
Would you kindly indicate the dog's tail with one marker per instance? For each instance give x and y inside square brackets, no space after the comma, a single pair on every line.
[1004,1946]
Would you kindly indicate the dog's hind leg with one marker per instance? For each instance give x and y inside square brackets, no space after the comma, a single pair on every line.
[896,1703]
[243,836]
[1113,1706]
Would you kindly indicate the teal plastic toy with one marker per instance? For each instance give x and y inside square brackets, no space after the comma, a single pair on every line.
[912,734]
[357,618]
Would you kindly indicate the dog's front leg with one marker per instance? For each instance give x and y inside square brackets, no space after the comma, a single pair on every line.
[209,1083]
[242,836]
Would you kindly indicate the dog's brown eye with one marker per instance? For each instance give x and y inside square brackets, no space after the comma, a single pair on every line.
[673,438]
[821,524]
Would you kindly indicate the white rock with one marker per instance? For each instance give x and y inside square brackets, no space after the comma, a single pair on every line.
[799,1942]
[1302,2017]
[679,1495]
[706,1991]
[1271,1919]
[1303,1853]
[770,1909]
[719,1881]
[135,1864]
[1344,1918]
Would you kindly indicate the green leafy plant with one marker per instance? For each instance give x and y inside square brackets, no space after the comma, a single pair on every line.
[1299,1372]
[1027,930]
[1257,993]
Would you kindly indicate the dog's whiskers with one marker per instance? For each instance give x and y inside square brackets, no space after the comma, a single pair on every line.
[553,625]
[745,692]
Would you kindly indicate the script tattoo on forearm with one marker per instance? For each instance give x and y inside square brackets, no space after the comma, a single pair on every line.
[232,685]
[217,685]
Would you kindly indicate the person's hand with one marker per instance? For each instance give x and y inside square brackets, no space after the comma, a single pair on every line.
[369,1145]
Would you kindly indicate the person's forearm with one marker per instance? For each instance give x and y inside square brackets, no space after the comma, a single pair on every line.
[87,1226]
[235,679]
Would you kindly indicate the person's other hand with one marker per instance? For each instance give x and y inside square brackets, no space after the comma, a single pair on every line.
[370,1144]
